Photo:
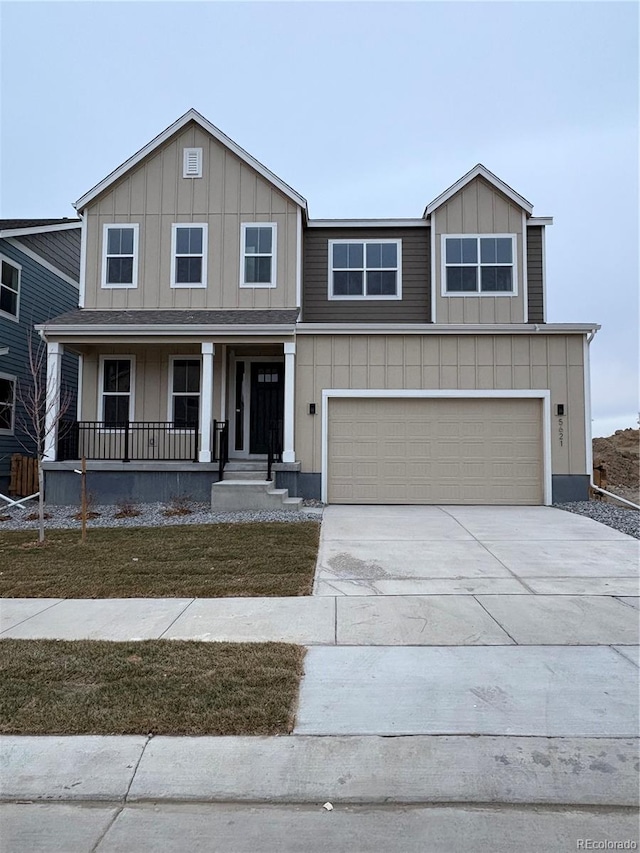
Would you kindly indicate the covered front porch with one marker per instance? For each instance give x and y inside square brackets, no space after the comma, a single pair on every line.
[173,404]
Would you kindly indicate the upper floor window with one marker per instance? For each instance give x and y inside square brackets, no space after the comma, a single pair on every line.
[479,264]
[7,403]
[184,392]
[116,397]
[189,255]
[365,269]
[10,288]
[258,255]
[120,258]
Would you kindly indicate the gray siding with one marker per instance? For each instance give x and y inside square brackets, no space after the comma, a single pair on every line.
[42,295]
[60,248]
[534,274]
[414,307]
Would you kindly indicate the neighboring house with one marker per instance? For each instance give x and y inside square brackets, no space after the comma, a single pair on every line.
[390,361]
[40,261]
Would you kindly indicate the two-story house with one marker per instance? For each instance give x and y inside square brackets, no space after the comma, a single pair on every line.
[39,278]
[386,361]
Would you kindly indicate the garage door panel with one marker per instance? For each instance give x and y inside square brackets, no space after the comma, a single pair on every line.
[452,450]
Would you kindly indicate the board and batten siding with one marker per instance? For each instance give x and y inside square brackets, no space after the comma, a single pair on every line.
[438,362]
[42,295]
[414,307]
[535,271]
[478,208]
[155,195]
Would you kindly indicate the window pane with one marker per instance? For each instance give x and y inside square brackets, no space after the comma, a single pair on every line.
[179,376]
[6,403]
[504,250]
[195,241]
[185,411]
[265,235]
[8,301]
[113,241]
[496,279]
[119,270]
[355,255]
[193,376]
[339,255]
[469,250]
[347,283]
[461,280]
[488,250]
[117,375]
[188,270]
[188,241]
[374,255]
[453,250]
[10,276]
[381,283]
[389,255]
[126,241]
[116,410]
[257,270]
[251,240]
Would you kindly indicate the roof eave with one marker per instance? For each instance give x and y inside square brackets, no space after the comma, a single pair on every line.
[190,115]
[150,329]
[479,171]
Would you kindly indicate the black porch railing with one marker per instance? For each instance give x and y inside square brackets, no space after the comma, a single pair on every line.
[274,446]
[142,441]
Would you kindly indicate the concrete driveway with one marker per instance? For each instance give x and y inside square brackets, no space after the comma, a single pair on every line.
[467,550]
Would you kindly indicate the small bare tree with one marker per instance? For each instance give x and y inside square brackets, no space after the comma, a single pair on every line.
[37,417]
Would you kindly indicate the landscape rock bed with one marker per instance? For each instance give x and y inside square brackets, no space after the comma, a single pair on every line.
[625,520]
[151,515]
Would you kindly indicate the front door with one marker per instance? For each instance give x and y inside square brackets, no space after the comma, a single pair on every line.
[267,405]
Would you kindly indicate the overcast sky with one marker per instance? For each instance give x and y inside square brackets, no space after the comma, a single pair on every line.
[367,110]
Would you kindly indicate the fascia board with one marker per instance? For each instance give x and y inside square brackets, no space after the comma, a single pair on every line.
[479,171]
[445,329]
[191,115]
[42,229]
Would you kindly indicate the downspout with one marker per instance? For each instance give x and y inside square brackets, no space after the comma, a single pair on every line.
[588,437]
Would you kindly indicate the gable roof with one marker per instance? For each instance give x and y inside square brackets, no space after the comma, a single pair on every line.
[479,171]
[21,227]
[191,115]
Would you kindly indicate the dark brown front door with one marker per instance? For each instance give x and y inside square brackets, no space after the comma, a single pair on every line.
[267,405]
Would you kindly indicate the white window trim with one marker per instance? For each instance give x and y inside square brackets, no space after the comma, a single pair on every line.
[476,293]
[205,240]
[185,161]
[170,392]
[14,317]
[542,394]
[273,255]
[105,245]
[14,379]
[365,298]
[132,386]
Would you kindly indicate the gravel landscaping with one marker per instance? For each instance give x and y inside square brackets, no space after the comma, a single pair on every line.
[625,520]
[148,515]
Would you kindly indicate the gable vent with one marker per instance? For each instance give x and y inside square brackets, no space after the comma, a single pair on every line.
[192,164]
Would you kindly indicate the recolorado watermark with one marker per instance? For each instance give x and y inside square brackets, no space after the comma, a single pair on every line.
[590,844]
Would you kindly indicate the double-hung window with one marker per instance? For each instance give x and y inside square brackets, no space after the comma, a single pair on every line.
[116,391]
[184,392]
[189,255]
[258,255]
[7,403]
[479,264]
[9,288]
[120,256]
[365,269]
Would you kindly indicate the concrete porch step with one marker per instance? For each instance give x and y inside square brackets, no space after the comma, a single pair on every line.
[245,469]
[240,494]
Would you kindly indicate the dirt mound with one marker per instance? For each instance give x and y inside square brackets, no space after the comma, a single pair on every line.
[620,455]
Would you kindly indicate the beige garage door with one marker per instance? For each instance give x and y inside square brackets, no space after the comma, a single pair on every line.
[435,451]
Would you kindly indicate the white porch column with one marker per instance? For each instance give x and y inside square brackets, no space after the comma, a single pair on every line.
[52,399]
[288,453]
[206,401]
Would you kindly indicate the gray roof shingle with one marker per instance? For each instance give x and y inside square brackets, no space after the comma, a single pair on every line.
[186,317]
[8,224]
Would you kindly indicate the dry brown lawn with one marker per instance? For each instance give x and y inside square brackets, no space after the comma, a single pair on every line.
[208,561]
[152,687]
